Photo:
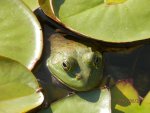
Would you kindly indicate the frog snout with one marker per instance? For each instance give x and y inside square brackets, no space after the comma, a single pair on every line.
[78,76]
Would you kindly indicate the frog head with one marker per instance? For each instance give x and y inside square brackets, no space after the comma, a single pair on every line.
[79,69]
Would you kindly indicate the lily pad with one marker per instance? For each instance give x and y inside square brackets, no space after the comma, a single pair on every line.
[32,4]
[116,21]
[96,101]
[125,99]
[18,88]
[20,33]
[45,5]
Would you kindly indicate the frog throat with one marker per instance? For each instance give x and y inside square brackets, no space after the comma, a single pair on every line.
[60,84]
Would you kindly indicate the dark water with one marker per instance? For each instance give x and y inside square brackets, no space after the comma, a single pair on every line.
[134,65]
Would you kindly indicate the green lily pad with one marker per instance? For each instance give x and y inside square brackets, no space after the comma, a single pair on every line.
[20,33]
[125,99]
[18,88]
[116,21]
[96,101]
[45,5]
[32,4]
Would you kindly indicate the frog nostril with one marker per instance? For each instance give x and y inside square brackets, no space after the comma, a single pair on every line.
[78,76]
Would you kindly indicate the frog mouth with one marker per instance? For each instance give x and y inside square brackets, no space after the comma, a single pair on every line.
[57,82]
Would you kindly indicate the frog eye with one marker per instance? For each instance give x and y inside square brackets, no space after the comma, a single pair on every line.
[97,61]
[66,65]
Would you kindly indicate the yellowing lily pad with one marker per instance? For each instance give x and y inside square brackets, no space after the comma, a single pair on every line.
[96,101]
[125,99]
[116,21]
[18,88]
[20,33]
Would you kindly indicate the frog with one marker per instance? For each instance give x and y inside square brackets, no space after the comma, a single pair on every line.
[75,63]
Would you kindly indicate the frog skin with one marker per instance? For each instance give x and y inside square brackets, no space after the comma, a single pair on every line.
[74,64]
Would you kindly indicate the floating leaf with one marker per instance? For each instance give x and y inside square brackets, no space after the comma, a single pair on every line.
[20,33]
[146,103]
[125,99]
[96,101]
[117,21]
[32,4]
[45,5]
[18,88]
